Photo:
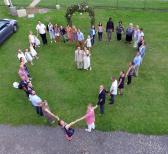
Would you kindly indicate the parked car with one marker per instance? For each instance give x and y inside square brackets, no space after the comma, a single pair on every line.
[7,28]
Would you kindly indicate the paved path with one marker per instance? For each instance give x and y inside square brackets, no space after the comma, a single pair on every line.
[50,140]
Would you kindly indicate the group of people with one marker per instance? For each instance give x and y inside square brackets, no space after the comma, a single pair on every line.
[133,34]
[82,59]
[58,32]
[70,34]
[28,55]
[42,107]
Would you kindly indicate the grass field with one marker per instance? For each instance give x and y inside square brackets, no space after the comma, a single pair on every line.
[142,109]
[156,4]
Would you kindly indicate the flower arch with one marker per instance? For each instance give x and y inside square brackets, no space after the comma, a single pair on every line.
[82,8]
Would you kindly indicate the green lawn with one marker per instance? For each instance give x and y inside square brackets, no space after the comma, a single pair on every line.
[142,109]
[160,4]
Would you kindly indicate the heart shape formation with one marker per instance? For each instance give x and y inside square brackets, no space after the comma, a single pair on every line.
[141,52]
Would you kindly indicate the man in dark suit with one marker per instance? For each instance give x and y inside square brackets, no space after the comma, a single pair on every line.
[101,98]
[109,29]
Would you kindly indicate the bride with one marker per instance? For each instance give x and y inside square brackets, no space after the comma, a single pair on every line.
[86,59]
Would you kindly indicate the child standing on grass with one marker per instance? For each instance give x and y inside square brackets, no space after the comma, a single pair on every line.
[100,31]
[28,56]
[20,55]
[33,52]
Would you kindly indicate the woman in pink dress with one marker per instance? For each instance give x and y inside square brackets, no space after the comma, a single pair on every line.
[90,118]
[22,73]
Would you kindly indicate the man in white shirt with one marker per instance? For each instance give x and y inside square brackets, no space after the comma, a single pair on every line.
[79,58]
[113,90]
[41,29]
[36,102]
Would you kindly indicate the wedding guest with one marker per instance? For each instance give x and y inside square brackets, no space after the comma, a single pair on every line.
[119,30]
[74,33]
[69,33]
[20,55]
[92,34]
[41,29]
[28,56]
[142,49]
[90,117]
[36,102]
[140,42]
[69,132]
[23,84]
[130,72]
[86,59]
[25,67]
[57,33]
[113,90]
[29,88]
[129,33]
[32,39]
[88,42]
[26,86]
[33,52]
[142,33]
[136,36]
[22,73]
[80,38]
[51,32]
[37,42]
[101,98]
[63,34]
[109,29]
[137,62]
[79,58]
[140,38]
[47,113]
[100,31]
[121,82]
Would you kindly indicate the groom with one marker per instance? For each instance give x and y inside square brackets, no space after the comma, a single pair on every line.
[101,98]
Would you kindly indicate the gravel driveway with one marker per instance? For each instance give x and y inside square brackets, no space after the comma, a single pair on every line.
[50,140]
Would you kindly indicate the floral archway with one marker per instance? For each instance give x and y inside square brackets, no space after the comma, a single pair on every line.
[81,8]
